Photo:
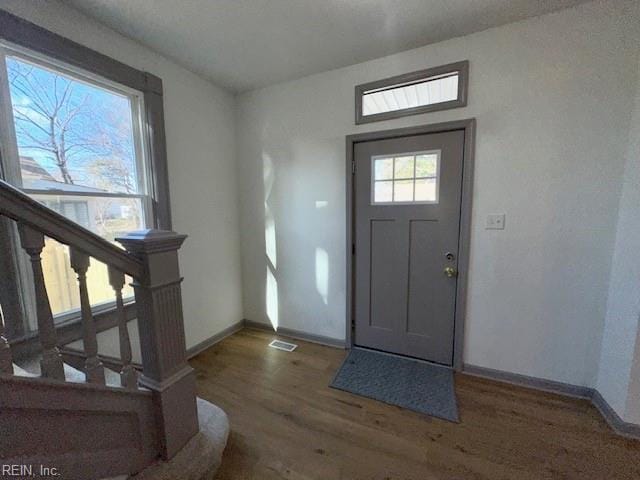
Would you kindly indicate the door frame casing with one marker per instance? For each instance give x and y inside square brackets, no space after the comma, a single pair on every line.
[469,127]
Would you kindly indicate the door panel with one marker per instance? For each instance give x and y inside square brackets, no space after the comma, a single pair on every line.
[404,303]
[423,239]
[386,265]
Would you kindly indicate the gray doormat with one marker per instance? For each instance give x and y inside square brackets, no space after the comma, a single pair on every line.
[407,383]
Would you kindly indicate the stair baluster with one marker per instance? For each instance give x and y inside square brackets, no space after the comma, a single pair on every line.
[93,368]
[51,363]
[128,374]
[6,363]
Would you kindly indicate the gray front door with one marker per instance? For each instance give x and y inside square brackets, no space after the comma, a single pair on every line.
[407,221]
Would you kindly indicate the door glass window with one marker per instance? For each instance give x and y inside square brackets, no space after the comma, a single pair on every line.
[405,178]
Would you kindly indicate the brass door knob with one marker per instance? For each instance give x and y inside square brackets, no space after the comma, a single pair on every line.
[450,272]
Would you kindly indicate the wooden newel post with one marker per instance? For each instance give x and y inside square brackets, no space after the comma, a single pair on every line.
[165,370]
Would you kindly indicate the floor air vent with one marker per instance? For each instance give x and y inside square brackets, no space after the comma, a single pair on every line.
[280,345]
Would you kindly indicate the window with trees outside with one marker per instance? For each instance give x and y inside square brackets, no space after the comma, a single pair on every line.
[79,148]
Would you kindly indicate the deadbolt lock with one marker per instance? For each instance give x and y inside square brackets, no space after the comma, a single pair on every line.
[450,272]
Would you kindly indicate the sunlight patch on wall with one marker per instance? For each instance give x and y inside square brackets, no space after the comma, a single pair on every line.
[271,299]
[322,274]
[271,285]
[269,222]
[270,236]
[268,175]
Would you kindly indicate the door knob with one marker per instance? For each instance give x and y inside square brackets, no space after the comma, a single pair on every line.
[450,272]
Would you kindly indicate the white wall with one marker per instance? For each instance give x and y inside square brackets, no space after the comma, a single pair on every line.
[552,99]
[199,120]
[619,374]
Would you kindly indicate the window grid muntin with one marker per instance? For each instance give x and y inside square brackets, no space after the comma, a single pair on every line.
[393,179]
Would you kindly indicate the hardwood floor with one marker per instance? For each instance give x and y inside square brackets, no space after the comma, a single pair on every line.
[288,424]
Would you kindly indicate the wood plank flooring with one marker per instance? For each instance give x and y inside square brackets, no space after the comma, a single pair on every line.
[288,424]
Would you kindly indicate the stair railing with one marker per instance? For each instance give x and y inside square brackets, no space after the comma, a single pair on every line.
[151,259]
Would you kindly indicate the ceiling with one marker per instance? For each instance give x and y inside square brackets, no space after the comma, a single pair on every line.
[246,44]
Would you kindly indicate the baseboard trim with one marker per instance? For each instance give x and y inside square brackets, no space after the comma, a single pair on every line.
[619,426]
[297,334]
[285,332]
[211,341]
[552,386]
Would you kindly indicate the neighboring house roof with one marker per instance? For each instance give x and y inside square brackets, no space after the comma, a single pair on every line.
[36,177]
[58,186]
[32,170]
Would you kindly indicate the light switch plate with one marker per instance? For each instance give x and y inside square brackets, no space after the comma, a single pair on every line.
[495,221]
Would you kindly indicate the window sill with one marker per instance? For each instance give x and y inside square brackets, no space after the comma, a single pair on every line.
[98,310]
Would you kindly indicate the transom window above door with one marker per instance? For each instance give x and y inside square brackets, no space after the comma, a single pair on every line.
[430,90]
[407,178]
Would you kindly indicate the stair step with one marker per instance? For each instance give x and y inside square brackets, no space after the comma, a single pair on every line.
[201,457]
[21,372]
[112,379]
[71,374]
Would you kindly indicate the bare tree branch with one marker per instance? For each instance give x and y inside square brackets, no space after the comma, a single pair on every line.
[25,118]
[54,118]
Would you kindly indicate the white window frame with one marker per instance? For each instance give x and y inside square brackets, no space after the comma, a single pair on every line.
[10,162]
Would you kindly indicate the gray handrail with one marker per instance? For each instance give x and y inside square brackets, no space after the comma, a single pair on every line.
[23,209]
